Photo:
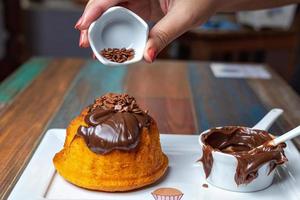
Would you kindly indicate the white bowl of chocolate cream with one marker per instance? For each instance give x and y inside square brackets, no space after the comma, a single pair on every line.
[231,161]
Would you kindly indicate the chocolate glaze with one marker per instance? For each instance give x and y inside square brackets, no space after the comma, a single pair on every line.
[245,145]
[114,122]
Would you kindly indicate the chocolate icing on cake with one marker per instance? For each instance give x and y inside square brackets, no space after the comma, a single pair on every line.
[242,143]
[114,121]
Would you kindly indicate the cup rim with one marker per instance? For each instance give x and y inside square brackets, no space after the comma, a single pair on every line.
[108,11]
[221,127]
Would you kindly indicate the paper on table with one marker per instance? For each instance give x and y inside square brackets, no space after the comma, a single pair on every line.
[223,70]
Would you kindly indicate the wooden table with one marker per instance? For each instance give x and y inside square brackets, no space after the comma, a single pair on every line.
[183,97]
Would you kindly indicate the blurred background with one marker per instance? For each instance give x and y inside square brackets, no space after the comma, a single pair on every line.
[46,28]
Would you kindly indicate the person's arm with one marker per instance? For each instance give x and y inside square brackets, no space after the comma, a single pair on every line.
[174,17]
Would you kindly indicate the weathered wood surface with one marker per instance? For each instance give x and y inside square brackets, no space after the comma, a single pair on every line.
[19,80]
[183,97]
[276,93]
[163,88]
[221,101]
[25,119]
[164,91]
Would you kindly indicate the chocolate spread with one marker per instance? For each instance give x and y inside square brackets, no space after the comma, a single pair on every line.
[114,121]
[250,147]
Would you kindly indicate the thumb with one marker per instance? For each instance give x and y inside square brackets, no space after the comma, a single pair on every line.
[166,30]
[181,17]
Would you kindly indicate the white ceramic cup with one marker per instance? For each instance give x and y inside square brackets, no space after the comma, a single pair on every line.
[118,27]
[224,165]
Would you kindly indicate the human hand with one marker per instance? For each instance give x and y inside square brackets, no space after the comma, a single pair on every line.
[174,17]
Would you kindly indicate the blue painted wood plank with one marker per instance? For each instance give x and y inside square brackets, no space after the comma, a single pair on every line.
[92,81]
[20,79]
[223,101]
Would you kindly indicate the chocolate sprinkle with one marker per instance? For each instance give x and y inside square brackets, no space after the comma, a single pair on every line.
[118,55]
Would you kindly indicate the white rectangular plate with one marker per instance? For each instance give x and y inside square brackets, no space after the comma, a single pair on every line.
[40,180]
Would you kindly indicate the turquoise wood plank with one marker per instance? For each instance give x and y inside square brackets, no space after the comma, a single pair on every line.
[224,101]
[92,81]
[20,79]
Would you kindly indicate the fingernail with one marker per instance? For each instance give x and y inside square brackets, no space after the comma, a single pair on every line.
[152,54]
[78,23]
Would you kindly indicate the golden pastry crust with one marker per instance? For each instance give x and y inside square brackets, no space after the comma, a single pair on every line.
[115,171]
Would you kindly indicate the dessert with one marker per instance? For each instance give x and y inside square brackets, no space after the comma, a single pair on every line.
[249,146]
[111,146]
[167,194]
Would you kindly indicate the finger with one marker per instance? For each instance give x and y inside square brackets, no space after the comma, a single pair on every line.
[166,30]
[178,20]
[83,40]
[78,23]
[93,10]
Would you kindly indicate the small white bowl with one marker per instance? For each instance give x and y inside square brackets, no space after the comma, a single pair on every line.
[118,27]
[224,169]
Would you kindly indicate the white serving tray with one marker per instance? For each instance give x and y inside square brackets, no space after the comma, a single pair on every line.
[40,180]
